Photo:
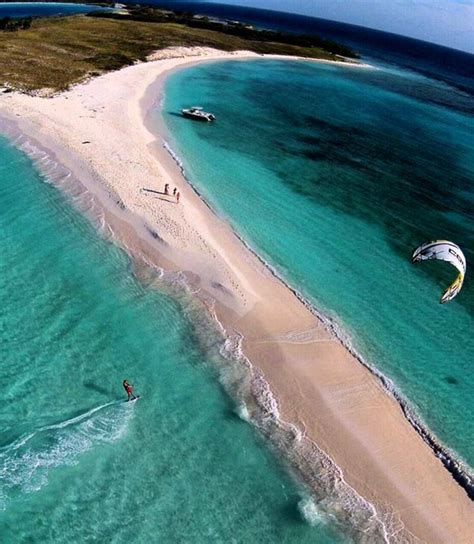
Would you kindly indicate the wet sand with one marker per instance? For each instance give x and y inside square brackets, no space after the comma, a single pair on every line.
[101,131]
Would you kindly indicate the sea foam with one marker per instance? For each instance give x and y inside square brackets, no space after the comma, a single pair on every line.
[26,462]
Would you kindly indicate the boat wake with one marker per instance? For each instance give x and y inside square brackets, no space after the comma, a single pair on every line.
[26,462]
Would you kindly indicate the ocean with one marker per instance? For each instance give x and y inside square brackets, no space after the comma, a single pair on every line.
[350,169]
[45,9]
[79,464]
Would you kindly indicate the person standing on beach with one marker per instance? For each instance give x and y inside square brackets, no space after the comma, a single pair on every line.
[174,191]
[167,186]
[177,197]
[129,390]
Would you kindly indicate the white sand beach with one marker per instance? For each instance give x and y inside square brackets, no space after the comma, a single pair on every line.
[100,130]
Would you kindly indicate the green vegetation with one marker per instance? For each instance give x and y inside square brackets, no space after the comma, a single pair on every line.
[59,51]
[234,28]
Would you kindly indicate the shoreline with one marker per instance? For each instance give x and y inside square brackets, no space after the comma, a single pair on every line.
[241,302]
[457,469]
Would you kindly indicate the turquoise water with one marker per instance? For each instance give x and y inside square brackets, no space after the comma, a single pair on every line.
[77,464]
[45,9]
[335,175]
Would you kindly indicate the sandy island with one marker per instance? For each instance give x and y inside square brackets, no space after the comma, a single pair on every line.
[98,131]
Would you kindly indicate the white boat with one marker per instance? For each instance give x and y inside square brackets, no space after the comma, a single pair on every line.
[197,114]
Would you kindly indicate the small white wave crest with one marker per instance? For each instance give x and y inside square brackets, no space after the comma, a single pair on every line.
[310,513]
[243,412]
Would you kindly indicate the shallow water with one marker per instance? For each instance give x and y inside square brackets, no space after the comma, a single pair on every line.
[45,9]
[76,462]
[335,175]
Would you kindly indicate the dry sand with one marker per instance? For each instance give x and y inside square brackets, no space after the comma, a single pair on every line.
[98,131]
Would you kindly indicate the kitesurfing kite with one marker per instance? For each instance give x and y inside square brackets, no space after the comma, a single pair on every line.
[443,250]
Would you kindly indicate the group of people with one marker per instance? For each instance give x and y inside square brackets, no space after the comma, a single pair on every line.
[176,193]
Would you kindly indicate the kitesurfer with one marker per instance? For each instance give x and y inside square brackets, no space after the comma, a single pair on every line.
[129,389]
[444,250]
